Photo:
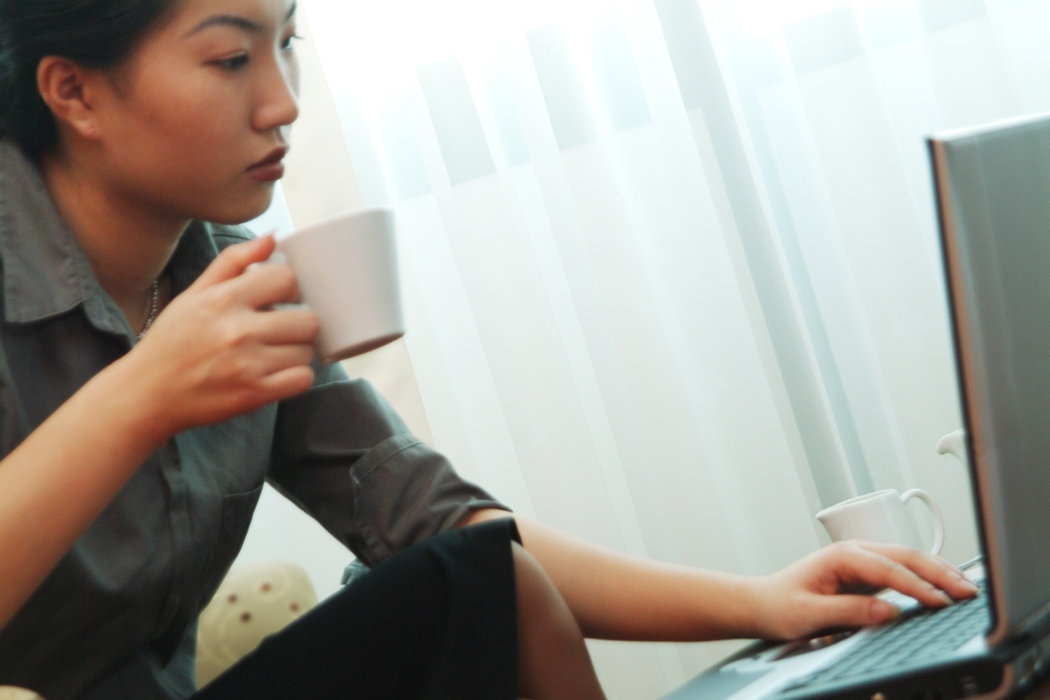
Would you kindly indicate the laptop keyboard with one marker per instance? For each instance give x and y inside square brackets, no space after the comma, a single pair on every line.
[920,637]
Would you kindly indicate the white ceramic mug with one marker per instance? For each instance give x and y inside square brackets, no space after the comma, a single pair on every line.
[880,517]
[348,276]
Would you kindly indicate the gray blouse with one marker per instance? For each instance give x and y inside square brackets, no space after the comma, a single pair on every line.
[117,616]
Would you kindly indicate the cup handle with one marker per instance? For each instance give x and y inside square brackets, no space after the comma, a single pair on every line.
[938,519]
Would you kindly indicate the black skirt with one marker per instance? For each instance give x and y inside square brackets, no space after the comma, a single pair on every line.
[438,620]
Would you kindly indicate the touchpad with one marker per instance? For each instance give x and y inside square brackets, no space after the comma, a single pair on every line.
[716,684]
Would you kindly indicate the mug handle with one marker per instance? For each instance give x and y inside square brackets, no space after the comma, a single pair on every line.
[938,519]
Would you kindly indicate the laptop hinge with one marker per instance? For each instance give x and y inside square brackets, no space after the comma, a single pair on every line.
[1037,626]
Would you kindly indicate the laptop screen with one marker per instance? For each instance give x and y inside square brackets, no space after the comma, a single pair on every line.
[994,193]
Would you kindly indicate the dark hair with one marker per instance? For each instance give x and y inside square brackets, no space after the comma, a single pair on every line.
[93,33]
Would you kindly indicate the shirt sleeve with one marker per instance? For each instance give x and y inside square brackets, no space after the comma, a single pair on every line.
[345,457]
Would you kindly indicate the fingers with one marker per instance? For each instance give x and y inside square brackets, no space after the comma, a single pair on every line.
[906,555]
[248,281]
[233,261]
[266,285]
[932,569]
[271,360]
[288,382]
[887,568]
[875,569]
[851,611]
[271,374]
[285,327]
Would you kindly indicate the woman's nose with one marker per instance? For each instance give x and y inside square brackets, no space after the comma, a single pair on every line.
[279,105]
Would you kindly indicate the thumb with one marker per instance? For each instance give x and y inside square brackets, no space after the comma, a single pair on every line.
[852,610]
[233,261]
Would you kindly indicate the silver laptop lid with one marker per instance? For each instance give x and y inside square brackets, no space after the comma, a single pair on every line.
[993,187]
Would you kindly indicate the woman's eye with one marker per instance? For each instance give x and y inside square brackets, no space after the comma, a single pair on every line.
[286,45]
[234,62]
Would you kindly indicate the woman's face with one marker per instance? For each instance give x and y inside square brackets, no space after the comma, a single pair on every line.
[199,116]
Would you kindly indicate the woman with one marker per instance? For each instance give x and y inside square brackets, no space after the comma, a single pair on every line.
[147,390]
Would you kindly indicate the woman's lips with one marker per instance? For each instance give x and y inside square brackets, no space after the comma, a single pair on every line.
[270,168]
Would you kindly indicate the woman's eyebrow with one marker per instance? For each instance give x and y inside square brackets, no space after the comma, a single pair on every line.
[234,21]
[226,21]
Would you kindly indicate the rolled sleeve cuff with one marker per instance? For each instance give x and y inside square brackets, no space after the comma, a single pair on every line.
[404,492]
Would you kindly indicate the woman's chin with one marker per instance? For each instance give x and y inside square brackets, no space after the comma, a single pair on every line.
[242,211]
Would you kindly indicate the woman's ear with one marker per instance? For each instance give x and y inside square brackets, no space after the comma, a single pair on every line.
[67,89]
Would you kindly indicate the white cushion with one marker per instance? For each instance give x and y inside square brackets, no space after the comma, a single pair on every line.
[8,692]
[252,603]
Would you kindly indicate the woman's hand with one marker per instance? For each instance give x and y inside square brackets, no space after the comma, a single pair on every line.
[218,351]
[812,594]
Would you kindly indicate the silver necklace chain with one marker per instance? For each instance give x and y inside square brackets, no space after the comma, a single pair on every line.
[154,308]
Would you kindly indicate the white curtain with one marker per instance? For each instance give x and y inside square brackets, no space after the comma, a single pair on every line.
[671,268]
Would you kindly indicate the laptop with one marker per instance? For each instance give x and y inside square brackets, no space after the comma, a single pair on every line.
[993,192]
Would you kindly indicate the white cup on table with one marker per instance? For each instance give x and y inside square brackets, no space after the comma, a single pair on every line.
[881,517]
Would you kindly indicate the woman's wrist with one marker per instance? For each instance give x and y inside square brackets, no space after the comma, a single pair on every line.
[137,401]
[751,594]
[726,606]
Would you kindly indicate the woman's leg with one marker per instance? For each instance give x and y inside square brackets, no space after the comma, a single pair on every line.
[554,662]
[443,620]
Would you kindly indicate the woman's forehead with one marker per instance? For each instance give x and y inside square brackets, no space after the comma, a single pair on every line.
[193,16]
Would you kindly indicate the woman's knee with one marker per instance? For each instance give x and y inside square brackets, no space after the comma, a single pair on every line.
[553,659]
[531,580]
[538,599]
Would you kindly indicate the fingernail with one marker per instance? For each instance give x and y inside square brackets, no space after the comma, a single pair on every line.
[945,598]
[883,611]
